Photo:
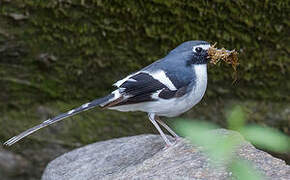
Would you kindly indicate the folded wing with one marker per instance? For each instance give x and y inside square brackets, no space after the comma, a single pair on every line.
[145,86]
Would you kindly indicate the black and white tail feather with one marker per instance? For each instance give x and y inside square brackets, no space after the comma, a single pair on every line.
[98,102]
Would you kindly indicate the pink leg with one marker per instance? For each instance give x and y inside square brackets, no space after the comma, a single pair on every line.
[152,118]
[167,127]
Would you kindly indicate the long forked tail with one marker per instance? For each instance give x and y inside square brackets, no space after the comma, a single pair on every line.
[102,101]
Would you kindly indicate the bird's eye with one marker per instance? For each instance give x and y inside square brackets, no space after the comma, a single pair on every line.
[198,49]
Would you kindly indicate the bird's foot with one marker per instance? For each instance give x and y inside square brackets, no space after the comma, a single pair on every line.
[169,144]
[177,139]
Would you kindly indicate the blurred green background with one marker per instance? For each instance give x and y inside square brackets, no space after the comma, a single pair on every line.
[58,54]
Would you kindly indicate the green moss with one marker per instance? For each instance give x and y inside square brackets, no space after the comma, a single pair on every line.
[98,42]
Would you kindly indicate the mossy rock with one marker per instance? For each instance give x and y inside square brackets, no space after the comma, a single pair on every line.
[96,43]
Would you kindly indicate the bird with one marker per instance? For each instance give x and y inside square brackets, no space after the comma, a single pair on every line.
[168,87]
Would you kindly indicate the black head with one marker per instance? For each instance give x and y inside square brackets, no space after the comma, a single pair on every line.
[196,50]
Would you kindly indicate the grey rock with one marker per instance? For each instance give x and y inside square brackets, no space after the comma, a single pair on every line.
[144,157]
[12,165]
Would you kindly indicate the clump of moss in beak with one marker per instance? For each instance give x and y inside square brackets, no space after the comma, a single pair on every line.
[216,55]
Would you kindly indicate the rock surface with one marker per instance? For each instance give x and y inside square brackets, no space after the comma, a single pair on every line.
[144,157]
[13,166]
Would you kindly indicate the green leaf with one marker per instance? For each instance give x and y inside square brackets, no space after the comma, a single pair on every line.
[219,147]
[195,131]
[244,170]
[267,138]
[236,118]
[223,148]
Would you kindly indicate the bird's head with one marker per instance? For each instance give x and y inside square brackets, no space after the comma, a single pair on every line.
[201,52]
[196,52]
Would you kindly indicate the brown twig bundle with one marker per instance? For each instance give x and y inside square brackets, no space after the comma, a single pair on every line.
[230,57]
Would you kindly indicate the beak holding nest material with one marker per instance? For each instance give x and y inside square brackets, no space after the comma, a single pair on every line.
[230,57]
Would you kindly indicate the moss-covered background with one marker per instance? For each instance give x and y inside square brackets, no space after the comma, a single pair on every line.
[58,54]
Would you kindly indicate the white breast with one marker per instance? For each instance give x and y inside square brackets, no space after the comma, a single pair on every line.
[176,106]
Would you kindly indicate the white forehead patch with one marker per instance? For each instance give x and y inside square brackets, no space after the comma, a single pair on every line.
[203,46]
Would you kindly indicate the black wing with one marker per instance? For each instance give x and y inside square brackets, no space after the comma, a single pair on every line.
[140,88]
